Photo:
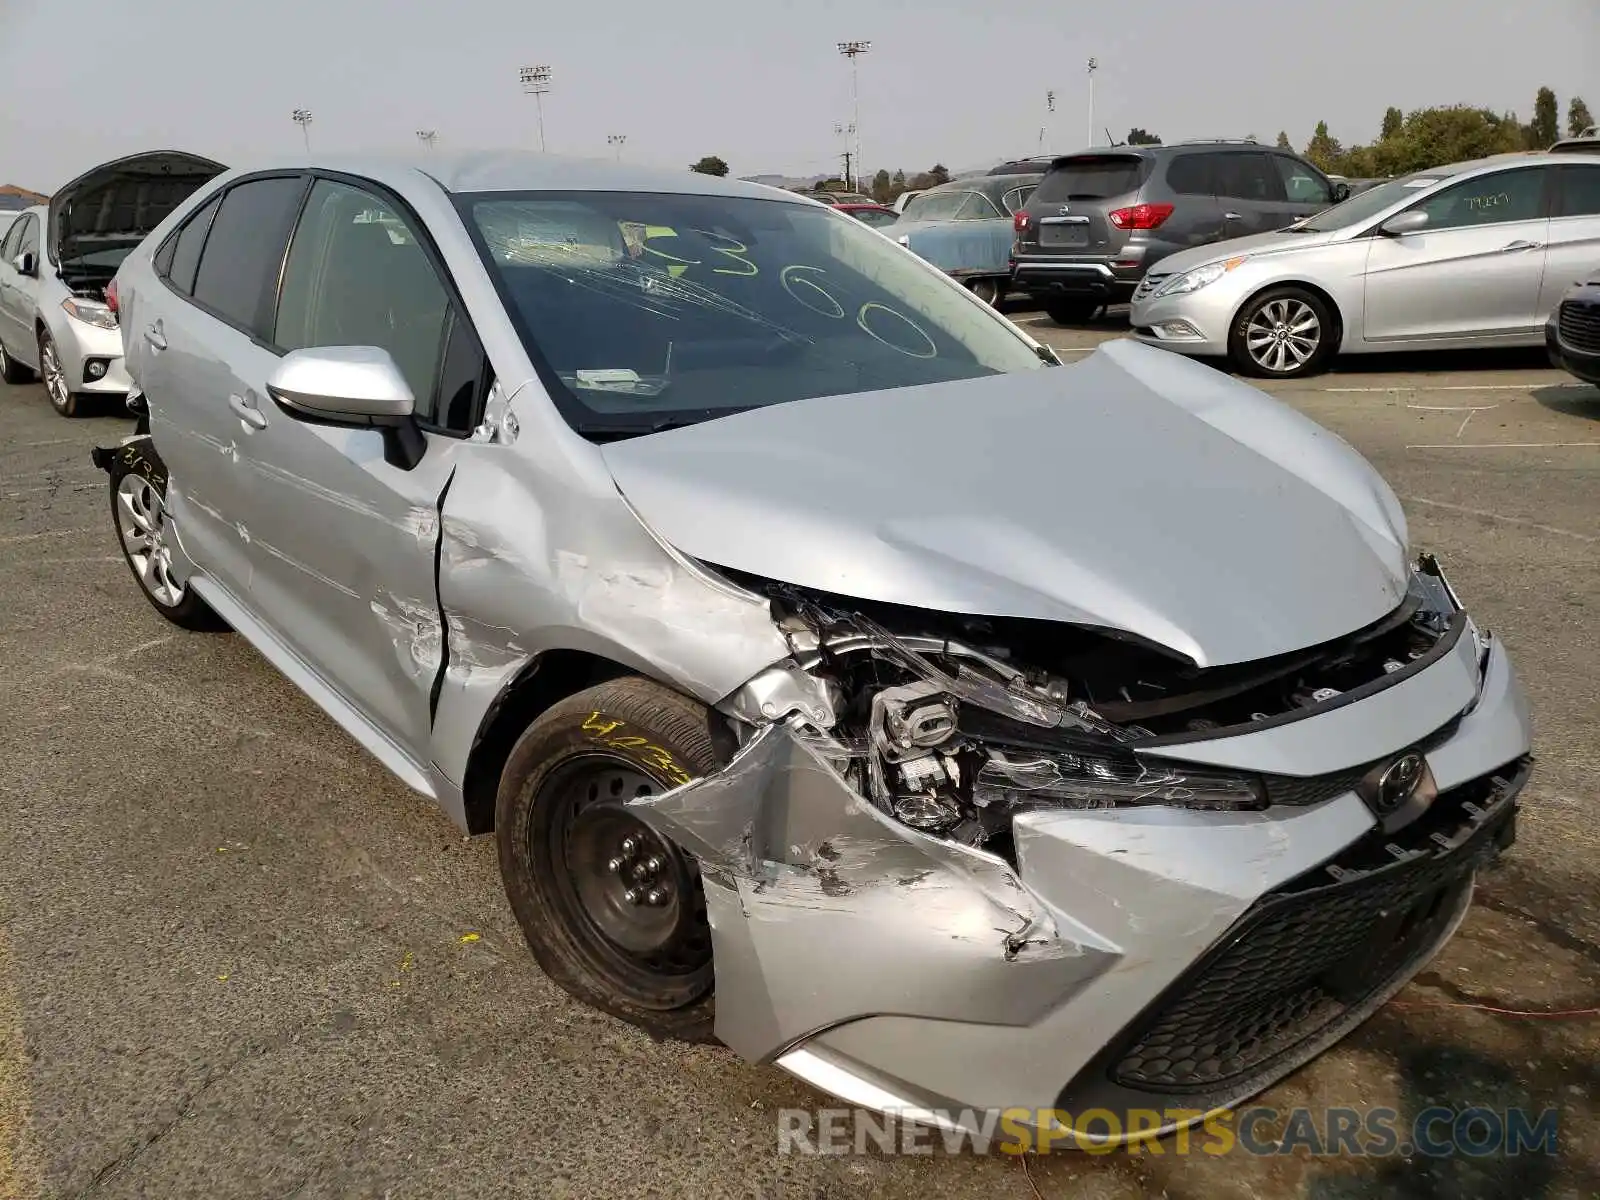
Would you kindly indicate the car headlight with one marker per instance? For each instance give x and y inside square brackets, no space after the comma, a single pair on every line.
[1193,281]
[90,312]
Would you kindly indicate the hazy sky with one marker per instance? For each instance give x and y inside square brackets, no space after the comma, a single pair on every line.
[958,81]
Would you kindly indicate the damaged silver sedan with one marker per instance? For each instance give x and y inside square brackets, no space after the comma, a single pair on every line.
[981,732]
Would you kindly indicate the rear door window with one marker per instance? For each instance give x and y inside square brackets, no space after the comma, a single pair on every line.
[1579,192]
[186,252]
[238,275]
[1090,177]
[1248,176]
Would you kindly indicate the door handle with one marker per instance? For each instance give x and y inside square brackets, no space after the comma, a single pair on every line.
[156,337]
[1515,246]
[1231,216]
[247,412]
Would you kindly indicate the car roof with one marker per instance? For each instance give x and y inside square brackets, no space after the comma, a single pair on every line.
[470,171]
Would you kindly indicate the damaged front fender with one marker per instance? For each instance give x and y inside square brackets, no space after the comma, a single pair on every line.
[825,910]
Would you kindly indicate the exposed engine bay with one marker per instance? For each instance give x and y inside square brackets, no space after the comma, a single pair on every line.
[954,724]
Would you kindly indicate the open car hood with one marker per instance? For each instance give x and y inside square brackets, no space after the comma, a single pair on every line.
[1133,491]
[118,203]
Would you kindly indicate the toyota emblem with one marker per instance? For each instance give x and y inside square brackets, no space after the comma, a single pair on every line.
[1396,784]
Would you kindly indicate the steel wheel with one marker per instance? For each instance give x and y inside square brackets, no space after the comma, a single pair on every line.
[1283,335]
[632,895]
[986,290]
[141,516]
[55,379]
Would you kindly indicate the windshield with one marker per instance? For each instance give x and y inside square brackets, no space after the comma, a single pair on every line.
[1368,204]
[935,206]
[644,309]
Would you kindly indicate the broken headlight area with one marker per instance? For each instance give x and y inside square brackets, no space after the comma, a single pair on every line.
[953,724]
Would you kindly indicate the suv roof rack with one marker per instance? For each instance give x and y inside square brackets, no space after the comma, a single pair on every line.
[1218,141]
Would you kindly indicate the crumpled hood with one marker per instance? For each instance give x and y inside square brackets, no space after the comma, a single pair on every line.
[1134,491]
[1257,245]
[122,201]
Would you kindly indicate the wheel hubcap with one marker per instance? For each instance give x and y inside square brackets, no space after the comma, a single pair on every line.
[630,886]
[55,380]
[1283,335]
[141,521]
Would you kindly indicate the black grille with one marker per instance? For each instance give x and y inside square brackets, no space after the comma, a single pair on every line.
[1579,325]
[1309,953]
[1301,793]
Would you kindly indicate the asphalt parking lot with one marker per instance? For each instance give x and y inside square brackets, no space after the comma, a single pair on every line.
[237,959]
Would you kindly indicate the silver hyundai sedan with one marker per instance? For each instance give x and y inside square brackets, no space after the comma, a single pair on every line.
[1473,255]
[841,676]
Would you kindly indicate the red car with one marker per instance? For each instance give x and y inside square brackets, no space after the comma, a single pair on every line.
[872,214]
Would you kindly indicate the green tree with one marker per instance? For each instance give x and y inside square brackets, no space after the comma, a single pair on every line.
[709,165]
[1393,119]
[1546,127]
[899,180]
[940,173]
[1142,137]
[882,187]
[1283,141]
[1324,149]
[1578,118]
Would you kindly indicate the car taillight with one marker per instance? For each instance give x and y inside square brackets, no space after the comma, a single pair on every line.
[1140,216]
[1020,222]
[111,295]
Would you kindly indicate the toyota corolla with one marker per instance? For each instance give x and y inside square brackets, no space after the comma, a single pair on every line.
[976,730]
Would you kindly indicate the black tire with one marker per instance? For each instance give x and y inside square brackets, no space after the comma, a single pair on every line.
[56,384]
[990,291]
[11,371]
[1072,312]
[1273,328]
[558,814]
[138,490]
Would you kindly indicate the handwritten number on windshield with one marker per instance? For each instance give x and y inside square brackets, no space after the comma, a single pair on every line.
[801,283]
[797,282]
[866,328]
[734,251]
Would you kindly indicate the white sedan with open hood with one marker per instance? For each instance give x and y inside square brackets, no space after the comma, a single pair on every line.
[56,319]
[840,674]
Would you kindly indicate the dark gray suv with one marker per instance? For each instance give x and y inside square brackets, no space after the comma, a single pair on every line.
[1100,219]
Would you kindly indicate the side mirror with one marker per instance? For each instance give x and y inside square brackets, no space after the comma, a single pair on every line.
[1411,221]
[355,387]
[25,264]
[1340,193]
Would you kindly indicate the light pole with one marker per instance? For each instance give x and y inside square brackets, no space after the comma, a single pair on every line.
[427,137]
[1094,64]
[536,83]
[619,140]
[302,118]
[845,133]
[1049,108]
[853,51]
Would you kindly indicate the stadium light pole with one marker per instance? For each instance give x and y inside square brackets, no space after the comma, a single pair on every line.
[536,83]
[302,118]
[427,137]
[617,140]
[853,51]
[1094,65]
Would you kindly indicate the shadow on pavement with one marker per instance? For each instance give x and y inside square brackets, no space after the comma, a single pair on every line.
[1571,401]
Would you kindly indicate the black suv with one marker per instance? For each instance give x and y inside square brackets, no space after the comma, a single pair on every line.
[1101,218]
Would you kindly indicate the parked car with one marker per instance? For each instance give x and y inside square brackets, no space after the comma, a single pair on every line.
[905,198]
[964,228]
[1587,142]
[876,215]
[55,263]
[841,199]
[1572,334]
[1472,254]
[757,636]
[1101,219]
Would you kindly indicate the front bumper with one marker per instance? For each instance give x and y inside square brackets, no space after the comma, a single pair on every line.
[1149,958]
[1195,323]
[1584,366]
[91,357]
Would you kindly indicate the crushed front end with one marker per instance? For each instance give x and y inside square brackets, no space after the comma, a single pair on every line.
[968,863]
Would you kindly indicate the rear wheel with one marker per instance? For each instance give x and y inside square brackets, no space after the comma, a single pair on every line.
[987,290]
[613,912]
[1284,333]
[138,507]
[11,371]
[62,398]
[1072,312]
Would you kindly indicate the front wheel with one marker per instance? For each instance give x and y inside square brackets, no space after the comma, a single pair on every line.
[613,912]
[1284,333]
[56,385]
[138,507]
[11,371]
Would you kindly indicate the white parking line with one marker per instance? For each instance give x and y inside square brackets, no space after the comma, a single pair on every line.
[1499,445]
[34,537]
[1453,387]
[1494,516]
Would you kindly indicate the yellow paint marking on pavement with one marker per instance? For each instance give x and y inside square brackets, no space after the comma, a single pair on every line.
[19,1165]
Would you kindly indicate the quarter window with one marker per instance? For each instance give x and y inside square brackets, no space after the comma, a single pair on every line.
[1579,194]
[186,253]
[239,267]
[1487,200]
[357,275]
